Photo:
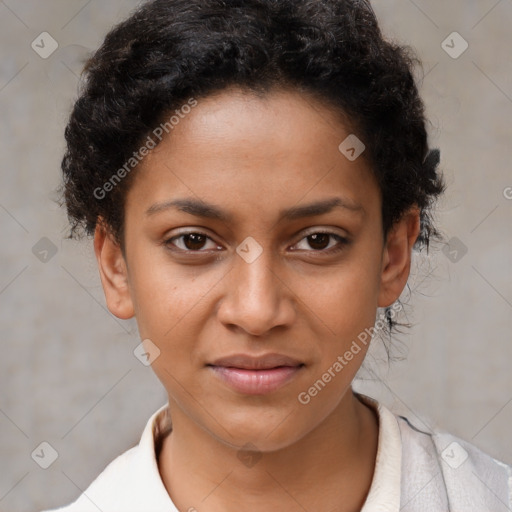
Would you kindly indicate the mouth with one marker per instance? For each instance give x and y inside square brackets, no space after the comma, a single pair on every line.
[256,375]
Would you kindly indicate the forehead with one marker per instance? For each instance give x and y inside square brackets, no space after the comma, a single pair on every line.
[244,151]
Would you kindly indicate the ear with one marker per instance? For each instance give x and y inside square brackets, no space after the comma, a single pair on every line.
[113,273]
[396,258]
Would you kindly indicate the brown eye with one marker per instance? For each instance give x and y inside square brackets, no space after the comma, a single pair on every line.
[321,242]
[190,242]
[194,241]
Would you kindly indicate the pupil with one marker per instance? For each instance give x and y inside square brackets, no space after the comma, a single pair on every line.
[321,239]
[194,241]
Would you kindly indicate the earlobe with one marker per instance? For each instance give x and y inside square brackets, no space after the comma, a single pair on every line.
[396,261]
[113,273]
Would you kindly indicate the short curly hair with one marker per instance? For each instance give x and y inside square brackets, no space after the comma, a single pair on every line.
[169,51]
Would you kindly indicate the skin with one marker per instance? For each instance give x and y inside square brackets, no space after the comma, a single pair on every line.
[254,157]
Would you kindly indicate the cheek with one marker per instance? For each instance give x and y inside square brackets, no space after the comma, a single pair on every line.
[345,304]
[172,310]
[345,300]
[164,294]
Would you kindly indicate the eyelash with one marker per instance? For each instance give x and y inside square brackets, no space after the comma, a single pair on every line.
[342,242]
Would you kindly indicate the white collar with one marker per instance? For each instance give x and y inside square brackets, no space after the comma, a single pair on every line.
[132,481]
[384,494]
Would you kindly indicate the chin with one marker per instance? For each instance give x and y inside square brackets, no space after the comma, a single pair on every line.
[255,430]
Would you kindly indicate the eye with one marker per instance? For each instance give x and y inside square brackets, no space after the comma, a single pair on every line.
[321,242]
[191,242]
[194,241]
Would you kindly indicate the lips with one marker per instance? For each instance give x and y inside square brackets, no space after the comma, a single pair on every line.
[256,375]
[264,362]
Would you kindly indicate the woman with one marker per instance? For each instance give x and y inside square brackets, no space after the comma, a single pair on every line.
[256,175]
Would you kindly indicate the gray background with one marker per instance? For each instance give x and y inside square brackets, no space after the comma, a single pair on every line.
[68,373]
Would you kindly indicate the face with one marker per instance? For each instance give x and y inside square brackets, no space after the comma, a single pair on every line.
[254,258]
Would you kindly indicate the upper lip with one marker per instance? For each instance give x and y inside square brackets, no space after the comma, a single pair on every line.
[263,362]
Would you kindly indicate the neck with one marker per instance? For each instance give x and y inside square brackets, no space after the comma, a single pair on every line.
[331,468]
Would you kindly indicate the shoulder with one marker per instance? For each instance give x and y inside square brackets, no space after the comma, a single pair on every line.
[470,478]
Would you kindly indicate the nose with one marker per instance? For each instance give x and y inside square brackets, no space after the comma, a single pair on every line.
[257,298]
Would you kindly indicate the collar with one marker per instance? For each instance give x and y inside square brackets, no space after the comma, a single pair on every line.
[384,493]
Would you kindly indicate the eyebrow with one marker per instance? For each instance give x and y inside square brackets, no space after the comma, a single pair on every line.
[211,211]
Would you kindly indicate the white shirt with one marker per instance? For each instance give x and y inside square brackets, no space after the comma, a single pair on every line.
[132,481]
[415,471]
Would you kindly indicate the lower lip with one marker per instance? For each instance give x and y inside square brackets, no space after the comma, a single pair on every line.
[256,382]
